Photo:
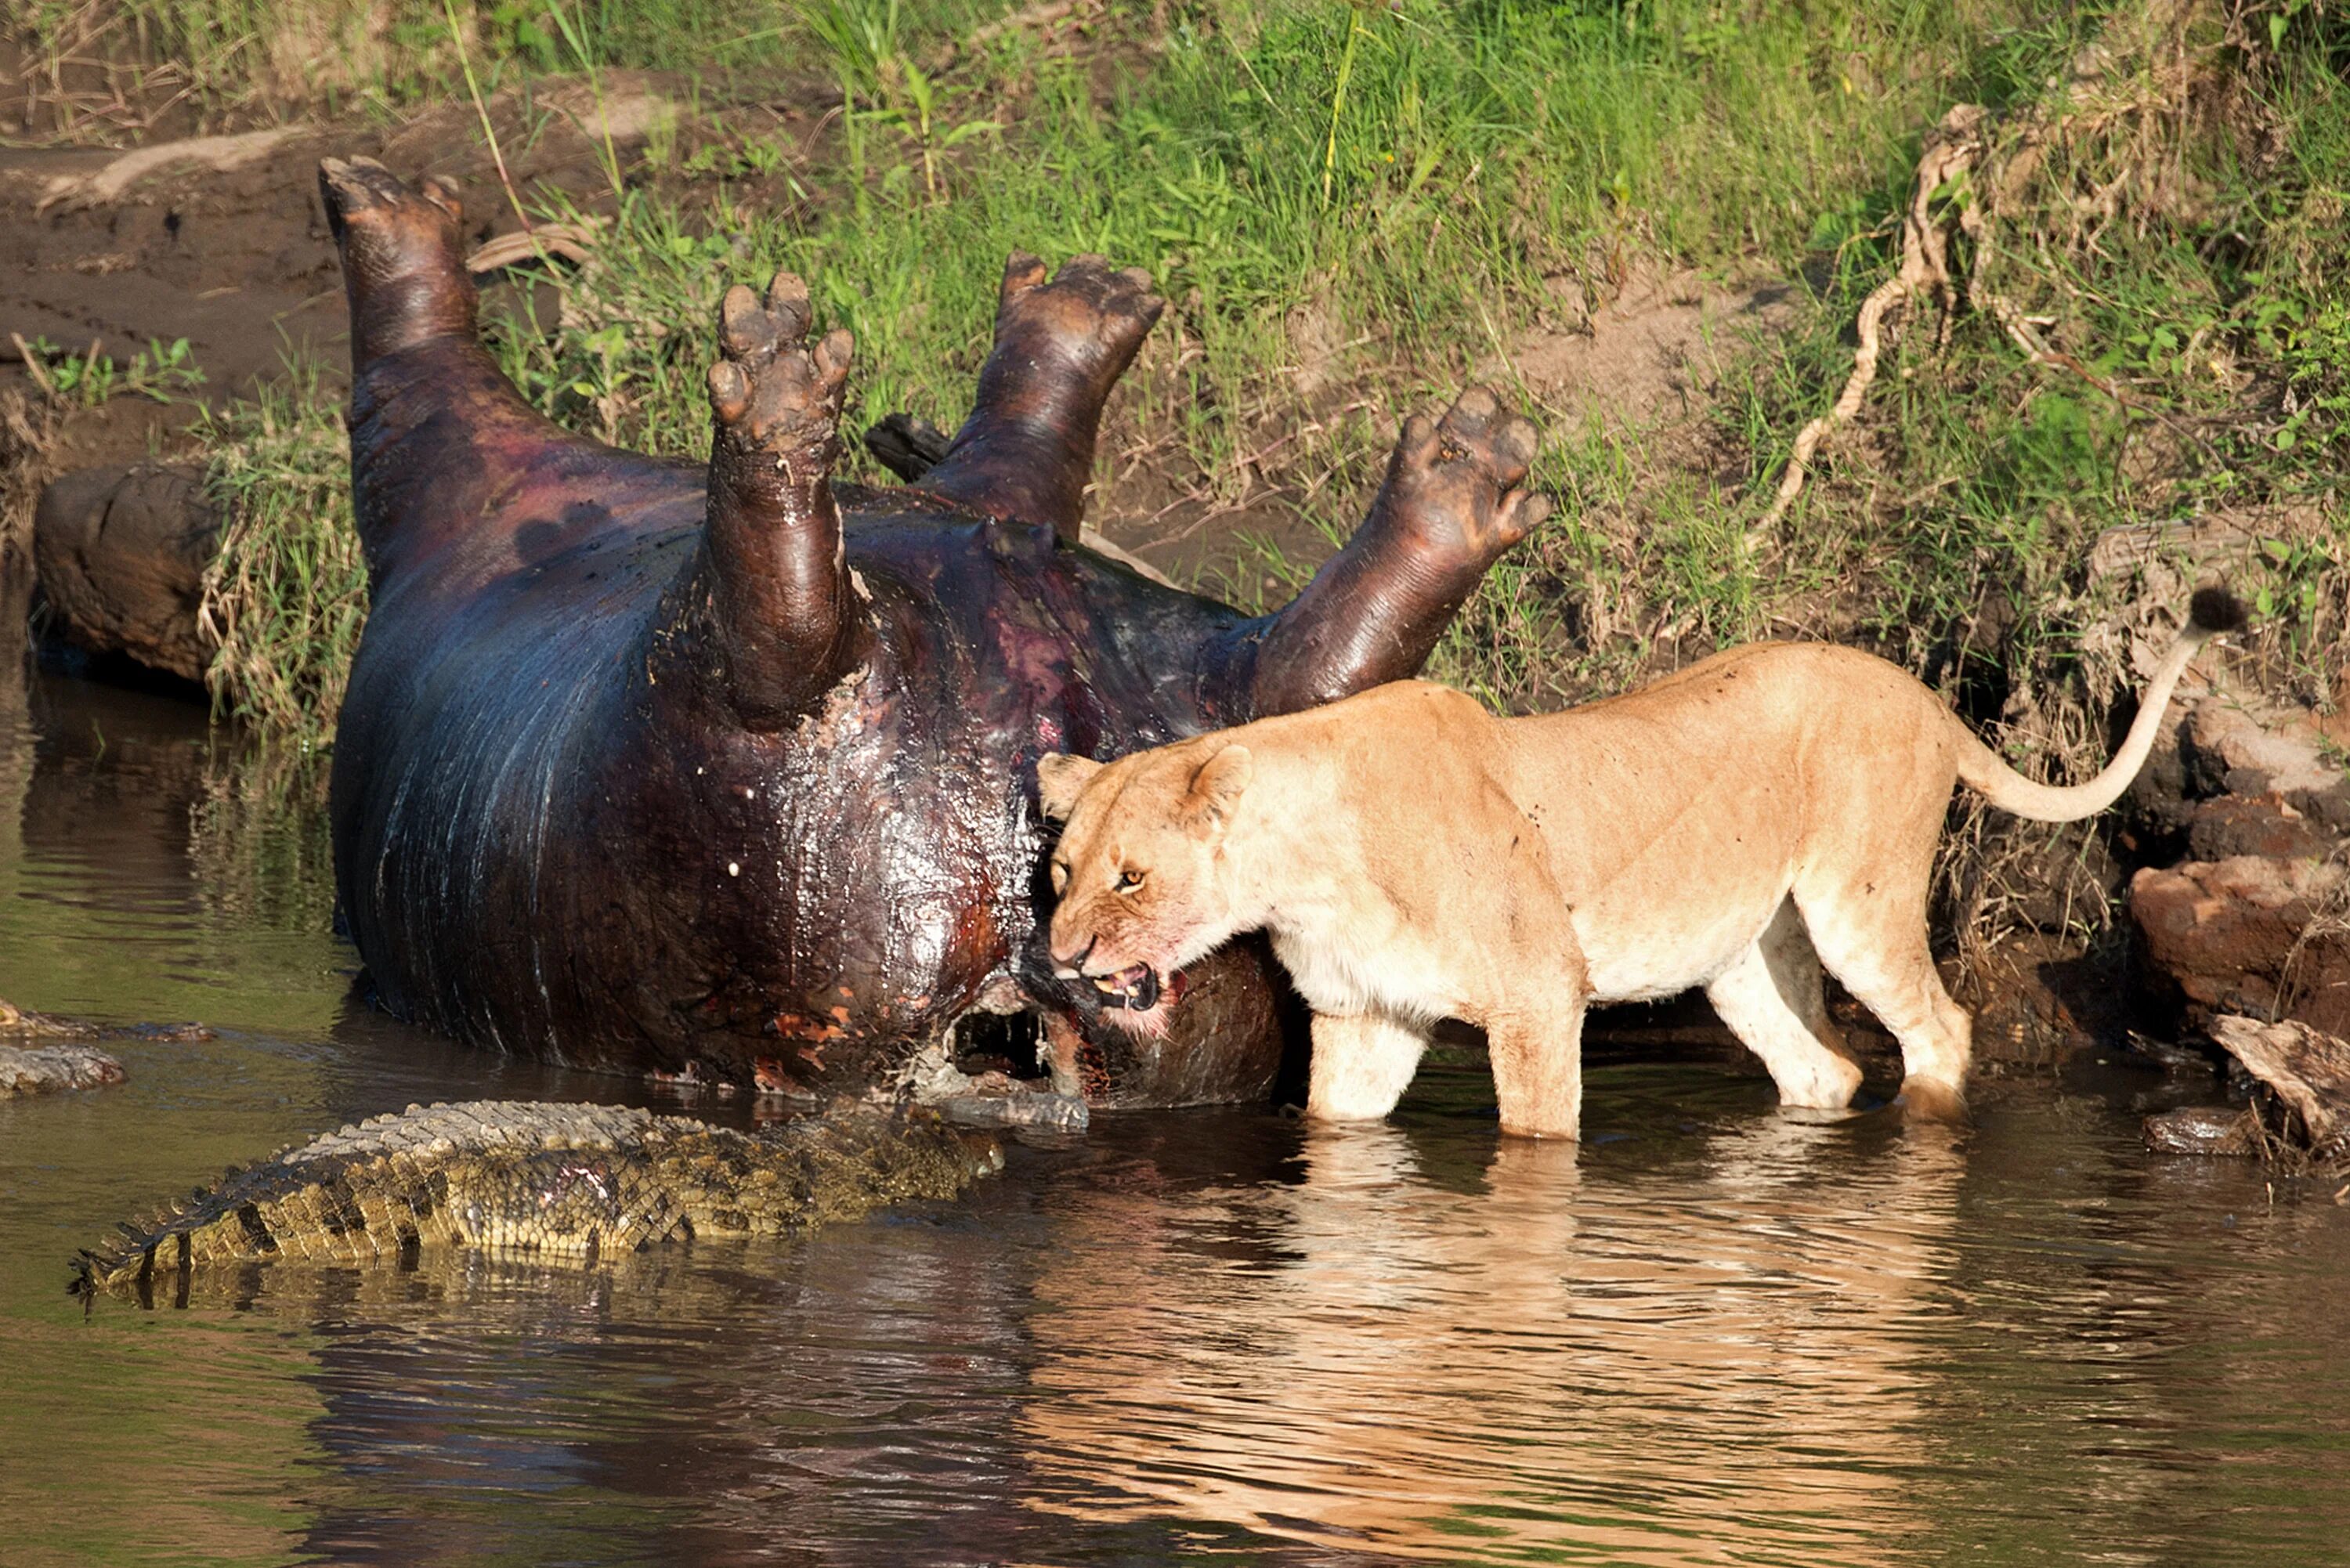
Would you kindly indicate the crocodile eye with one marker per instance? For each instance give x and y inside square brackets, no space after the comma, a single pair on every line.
[1060,878]
[1128,881]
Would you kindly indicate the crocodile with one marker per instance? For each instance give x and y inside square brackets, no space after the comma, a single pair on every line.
[30,1067]
[576,1184]
[46,1069]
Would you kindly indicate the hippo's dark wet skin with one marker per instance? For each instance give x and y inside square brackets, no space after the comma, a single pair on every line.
[730,772]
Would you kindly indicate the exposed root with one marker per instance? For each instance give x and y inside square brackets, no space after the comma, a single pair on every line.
[2105,125]
[571,242]
[1951,153]
[213,154]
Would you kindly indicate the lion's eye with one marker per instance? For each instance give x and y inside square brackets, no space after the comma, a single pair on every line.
[1060,876]
[1128,880]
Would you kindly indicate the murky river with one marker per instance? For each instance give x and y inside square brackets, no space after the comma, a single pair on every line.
[1713,1334]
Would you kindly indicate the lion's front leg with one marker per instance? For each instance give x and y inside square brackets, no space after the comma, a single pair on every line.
[1362,1064]
[1538,1069]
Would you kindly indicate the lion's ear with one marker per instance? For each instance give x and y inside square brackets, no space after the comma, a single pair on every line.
[1218,785]
[1060,778]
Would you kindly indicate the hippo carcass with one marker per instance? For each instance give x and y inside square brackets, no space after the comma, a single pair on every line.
[729,772]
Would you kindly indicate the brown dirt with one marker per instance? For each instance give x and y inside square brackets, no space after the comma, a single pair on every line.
[1652,357]
[1647,362]
[221,240]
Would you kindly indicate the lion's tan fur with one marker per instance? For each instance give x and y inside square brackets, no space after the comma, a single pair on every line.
[1415,858]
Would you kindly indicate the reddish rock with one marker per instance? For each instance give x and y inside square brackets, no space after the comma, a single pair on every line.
[121,553]
[2248,934]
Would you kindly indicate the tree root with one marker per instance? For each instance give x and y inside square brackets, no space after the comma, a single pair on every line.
[1976,173]
[1951,153]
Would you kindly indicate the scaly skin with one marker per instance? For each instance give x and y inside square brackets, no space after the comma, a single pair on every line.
[558,1183]
[730,773]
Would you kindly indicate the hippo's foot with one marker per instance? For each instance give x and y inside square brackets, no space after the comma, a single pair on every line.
[776,405]
[1452,495]
[770,595]
[404,258]
[1028,449]
[1072,337]
[1449,507]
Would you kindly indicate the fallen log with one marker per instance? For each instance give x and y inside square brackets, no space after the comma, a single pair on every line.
[2308,1070]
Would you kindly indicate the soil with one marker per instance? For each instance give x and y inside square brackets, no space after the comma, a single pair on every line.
[221,239]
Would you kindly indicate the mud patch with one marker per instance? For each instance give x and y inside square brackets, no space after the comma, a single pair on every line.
[1652,357]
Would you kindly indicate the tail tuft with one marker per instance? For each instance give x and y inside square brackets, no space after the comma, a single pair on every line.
[2214,610]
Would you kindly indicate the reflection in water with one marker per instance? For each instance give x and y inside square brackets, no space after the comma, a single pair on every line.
[1560,1358]
[1727,1336]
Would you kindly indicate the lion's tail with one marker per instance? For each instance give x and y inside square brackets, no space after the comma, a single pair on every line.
[2212,611]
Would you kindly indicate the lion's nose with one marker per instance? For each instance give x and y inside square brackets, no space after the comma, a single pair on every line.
[1069,968]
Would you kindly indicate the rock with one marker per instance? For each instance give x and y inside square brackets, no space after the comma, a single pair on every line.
[2263,826]
[2229,748]
[2249,935]
[2202,1129]
[121,553]
[2306,1068]
[46,1069]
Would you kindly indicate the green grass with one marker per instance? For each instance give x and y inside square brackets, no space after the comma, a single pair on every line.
[286,596]
[1487,161]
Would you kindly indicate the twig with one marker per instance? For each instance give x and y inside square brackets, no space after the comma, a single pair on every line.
[33,366]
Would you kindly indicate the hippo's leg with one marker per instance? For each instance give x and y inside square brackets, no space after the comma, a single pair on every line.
[770,590]
[1449,509]
[438,433]
[1028,449]
[403,262]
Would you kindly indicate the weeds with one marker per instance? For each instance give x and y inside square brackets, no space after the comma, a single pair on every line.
[286,596]
[161,371]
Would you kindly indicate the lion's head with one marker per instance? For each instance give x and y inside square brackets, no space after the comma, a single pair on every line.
[1139,870]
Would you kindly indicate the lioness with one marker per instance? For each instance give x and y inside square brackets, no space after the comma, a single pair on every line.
[1414,859]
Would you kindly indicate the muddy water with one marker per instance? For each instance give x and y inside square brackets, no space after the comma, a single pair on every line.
[1715,1334]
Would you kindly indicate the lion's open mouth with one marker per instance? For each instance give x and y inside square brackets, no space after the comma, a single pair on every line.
[1134,987]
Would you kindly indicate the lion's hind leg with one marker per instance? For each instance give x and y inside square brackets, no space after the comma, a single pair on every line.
[1771,999]
[1873,939]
